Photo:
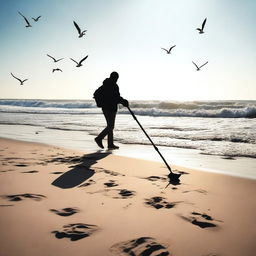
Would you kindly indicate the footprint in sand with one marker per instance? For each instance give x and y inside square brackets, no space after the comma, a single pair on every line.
[21,165]
[65,211]
[120,193]
[143,246]
[200,222]
[30,171]
[112,173]
[116,193]
[158,202]
[88,183]
[205,216]
[56,172]
[156,178]
[76,231]
[110,183]
[201,191]
[10,170]
[20,197]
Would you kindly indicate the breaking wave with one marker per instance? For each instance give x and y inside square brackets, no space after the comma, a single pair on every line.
[246,112]
[48,103]
[203,109]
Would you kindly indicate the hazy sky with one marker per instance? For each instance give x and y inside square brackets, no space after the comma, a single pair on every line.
[126,36]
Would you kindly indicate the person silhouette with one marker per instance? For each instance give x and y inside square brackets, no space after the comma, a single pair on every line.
[111,98]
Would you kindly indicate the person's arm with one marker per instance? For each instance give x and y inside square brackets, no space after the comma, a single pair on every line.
[121,100]
[124,102]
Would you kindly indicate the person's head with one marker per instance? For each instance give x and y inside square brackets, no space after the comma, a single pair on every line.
[114,76]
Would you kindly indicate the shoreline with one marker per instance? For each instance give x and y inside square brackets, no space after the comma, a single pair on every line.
[114,153]
[82,141]
[67,202]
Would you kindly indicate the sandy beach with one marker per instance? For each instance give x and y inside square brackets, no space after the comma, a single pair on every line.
[160,83]
[56,201]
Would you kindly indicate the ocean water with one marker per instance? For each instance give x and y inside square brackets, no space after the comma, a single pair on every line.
[226,129]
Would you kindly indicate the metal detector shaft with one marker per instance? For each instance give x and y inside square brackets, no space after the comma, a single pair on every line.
[155,147]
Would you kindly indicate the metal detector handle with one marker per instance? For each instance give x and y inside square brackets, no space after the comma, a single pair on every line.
[135,118]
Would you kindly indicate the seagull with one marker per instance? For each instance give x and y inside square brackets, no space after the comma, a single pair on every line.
[21,81]
[54,58]
[56,69]
[79,64]
[201,30]
[81,33]
[36,19]
[168,51]
[198,68]
[28,24]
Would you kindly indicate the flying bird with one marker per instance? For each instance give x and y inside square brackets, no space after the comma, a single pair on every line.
[21,81]
[198,68]
[56,69]
[28,24]
[36,19]
[81,33]
[201,30]
[54,58]
[79,64]
[169,51]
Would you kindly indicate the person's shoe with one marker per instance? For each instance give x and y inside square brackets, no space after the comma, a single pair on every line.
[99,142]
[113,147]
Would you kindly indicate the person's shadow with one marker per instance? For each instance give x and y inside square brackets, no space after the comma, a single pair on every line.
[80,171]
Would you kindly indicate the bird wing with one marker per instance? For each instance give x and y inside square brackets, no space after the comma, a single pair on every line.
[74,61]
[21,14]
[204,23]
[15,77]
[51,57]
[204,64]
[195,64]
[164,49]
[77,27]
[27,21]
[83,59]
[24,18]
[24,80]
[59,59]
[172,47]
[36,19]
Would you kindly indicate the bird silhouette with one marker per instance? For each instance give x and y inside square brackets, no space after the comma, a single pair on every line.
[201,30]
[79,64]
[168,51]
[36,19]
[198,68]
[28,24]
[55,60]
[21,81]
[81,33]
[56,69]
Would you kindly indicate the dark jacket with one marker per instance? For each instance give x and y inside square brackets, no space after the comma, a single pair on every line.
[111,95]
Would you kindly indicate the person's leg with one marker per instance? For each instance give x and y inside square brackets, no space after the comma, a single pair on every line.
[102,134]
[110,119]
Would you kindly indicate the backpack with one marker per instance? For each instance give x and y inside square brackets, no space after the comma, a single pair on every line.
[99,96]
